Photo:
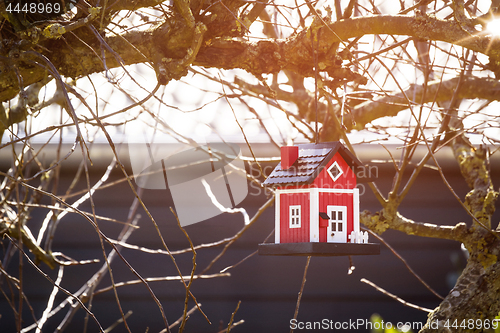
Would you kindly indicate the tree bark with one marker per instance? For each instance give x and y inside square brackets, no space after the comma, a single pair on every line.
[473,303]
[75,56]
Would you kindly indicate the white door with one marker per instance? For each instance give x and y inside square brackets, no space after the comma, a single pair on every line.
[337,225]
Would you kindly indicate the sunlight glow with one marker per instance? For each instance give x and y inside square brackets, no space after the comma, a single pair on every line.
[494,27]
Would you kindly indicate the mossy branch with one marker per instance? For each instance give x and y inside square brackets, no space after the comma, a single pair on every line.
[56,30]
[475,294]
[13,230]
[169,69]
[474,166]
[267,56]
[379,222]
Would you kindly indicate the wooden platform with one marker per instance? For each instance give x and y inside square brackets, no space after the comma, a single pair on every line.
[318,249]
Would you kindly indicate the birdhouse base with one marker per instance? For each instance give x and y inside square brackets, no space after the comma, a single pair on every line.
[318,249]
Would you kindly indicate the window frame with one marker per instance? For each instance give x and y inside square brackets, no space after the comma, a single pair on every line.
[295,220]
[341,172]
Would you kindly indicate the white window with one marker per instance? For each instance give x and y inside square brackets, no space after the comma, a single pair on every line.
[295,216]
[335,171]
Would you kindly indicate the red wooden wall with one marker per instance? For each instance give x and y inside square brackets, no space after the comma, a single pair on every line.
[295,235]
[346,181]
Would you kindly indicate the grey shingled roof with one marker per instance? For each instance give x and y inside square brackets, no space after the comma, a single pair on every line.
[311,161]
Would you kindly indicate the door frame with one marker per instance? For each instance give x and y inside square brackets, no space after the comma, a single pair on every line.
[338,236]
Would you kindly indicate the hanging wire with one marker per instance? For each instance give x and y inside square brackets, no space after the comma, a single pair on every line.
[343,107]
[315,59]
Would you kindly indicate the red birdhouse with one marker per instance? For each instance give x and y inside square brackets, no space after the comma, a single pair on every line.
[317,203]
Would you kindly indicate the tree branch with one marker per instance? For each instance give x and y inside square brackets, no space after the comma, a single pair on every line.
[436,91]
[381,221]
[475,294]
[475,169]
[12,229]
[267,56]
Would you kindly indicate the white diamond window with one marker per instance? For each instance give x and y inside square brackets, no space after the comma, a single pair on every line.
[335,171]
[295,216]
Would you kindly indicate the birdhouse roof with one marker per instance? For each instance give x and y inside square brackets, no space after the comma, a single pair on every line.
[311,161]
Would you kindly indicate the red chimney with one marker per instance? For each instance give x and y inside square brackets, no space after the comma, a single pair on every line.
[289,155]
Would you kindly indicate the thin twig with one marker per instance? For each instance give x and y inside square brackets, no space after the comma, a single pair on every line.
[191,278]
[50,302]
[178,321]
[159,279]
[405,263]
[234,325]
[240,233]
[118,322]
[230,325]
[299,297]
[54,283]
[402,301]
[248,256]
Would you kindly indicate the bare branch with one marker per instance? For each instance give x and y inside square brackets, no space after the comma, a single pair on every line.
[159,279]
[301,291]
[400,300]
[437,91]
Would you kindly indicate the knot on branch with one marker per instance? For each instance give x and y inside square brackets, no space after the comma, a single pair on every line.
[465,23]
[170,68]
[375,222]
[183,8]
[32,34]
[266,58]
[474,166]
[481,203]
[54,30]
[484,254]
